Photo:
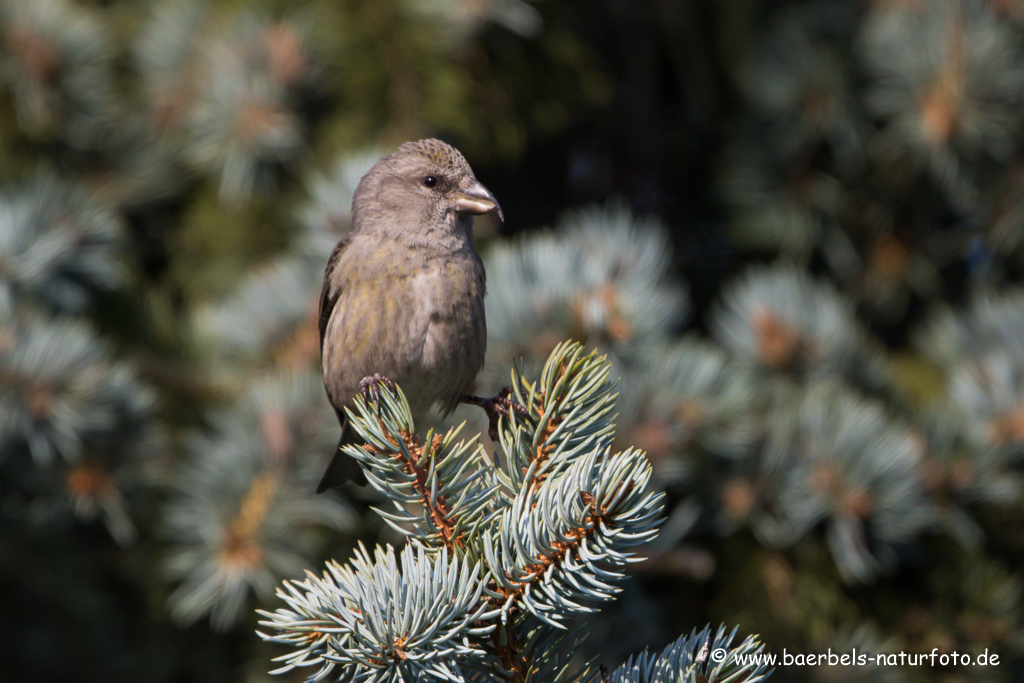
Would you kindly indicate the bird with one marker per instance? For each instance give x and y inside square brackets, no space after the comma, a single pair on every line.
[403,293]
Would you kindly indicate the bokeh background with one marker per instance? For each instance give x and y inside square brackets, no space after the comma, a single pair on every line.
[796,228]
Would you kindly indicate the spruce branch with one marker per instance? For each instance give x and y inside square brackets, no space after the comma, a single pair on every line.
[689,660]
[602,277]
[59,245]
[573,408]
[449,480]
[61,392]
[391,618]
[553,545]
[56,59]
[500,553]
[242,514]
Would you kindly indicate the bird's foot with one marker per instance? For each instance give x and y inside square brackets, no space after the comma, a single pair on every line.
[370,387]
[498,405]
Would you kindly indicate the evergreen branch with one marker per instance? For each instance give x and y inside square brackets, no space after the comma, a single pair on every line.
[59,245]
[552,541]
[573,412]
[688,660]
[499,557]
[603,276]
[243,515]
[61,391]
[449,481]
[392,620]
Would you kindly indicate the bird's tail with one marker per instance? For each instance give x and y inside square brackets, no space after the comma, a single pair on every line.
[342,467]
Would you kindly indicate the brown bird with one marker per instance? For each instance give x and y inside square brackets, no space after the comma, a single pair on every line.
[403,293]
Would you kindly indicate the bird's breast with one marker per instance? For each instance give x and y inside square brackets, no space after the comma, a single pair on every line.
[415,318]
[451,325]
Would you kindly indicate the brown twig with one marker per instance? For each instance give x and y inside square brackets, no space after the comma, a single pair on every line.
[439,510]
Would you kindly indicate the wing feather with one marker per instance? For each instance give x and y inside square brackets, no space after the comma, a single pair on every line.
[331,289]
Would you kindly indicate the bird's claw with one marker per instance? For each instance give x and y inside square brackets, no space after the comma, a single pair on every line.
[501,403]
[370,386]
[498,405]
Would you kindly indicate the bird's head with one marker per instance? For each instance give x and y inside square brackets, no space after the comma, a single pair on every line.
[424,186]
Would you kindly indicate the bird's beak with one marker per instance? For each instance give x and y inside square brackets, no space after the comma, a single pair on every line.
[477,199]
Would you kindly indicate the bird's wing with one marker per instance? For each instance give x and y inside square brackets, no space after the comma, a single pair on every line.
[368,322]
[331,289]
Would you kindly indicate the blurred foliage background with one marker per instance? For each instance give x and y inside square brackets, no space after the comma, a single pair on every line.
[797,229]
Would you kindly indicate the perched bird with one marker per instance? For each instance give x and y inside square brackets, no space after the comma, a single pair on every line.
[403,293]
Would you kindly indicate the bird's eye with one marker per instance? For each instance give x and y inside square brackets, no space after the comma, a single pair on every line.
[430,181]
